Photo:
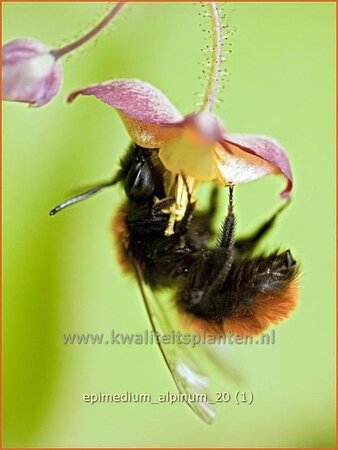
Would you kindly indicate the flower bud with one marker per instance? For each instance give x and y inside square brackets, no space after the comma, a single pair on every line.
[30,72]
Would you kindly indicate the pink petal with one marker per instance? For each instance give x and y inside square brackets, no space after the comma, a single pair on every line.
[21,49]
[145,110]
[268,149]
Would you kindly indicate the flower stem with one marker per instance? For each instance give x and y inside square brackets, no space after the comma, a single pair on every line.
[58,53]
[216,61]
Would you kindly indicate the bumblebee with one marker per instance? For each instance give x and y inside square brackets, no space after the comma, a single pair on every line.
[218,283]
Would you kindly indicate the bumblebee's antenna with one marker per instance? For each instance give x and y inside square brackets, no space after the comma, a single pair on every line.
[80,197]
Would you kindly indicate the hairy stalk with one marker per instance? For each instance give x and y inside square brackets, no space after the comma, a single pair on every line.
[216,61]
[58,53]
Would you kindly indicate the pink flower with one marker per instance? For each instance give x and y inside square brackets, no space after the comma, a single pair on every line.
[32,72]
[196,145]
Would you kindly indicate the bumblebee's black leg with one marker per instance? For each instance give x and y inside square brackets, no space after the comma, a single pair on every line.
[226,238]
[213,202]
[223,256]
[248,244]
[210,269]
[203,220]
[209,214]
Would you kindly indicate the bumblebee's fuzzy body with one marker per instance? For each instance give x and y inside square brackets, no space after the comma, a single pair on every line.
[219,289]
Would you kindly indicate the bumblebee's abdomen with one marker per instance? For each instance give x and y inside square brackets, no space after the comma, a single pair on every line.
[253,295]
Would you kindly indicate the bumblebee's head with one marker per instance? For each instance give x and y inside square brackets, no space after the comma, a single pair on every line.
[139,183]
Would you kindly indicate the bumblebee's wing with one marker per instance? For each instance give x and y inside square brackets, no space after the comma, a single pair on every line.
[189,377]
[223,359]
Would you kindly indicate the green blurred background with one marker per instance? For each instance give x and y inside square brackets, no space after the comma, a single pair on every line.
[61,275]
